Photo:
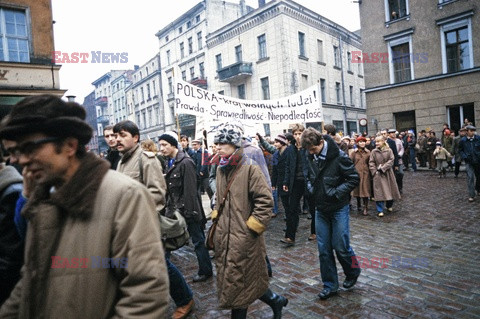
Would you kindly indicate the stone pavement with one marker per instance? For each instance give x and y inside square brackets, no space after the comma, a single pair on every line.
[434,231]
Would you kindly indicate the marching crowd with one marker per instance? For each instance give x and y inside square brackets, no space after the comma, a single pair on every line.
[64,209]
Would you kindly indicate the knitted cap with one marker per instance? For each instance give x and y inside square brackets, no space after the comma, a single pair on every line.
[229,133]
[169,137]
[281,138]
[46,114]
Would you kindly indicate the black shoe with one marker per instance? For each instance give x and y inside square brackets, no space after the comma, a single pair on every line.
[327,293]
[199,278]
[349,283]
[276,302]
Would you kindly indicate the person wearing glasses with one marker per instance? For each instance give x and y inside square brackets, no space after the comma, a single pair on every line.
[80,211]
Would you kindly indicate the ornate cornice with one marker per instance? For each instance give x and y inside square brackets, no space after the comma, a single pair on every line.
[276,8]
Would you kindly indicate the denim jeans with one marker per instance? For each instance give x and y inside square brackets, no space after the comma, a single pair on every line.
[179,289]
[473,172]
[412,158]
[381,205]
[275,201]
[333,233]
[198,239]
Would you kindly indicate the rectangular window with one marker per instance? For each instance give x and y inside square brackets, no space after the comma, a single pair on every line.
[396,9]
[180,30]
[337,91]
[322,90]
[148,91]
[336,56]
[201,67]
[241,91]
[361,98]
[14,42]
[182,49]
[166,38]
[301,44]
[189,25]
[199,40]
[170,85]
[266,128]
[218,59]
[142,94]
[184,75]
[304,81]
[349,61]
[190,45]
[338,125]
[144,116]
[359,66]
[351,96]
[138,119]
[238,53]
[197,19]
[192,72]
[457,47]
[320,50]
[154,88]
[401,62]
[262,47]
[149,117]
[265,88]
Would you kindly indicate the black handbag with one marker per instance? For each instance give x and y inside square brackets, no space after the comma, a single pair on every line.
[174,232]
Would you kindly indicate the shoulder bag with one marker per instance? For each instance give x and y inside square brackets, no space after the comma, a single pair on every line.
[209,243]
[174,232]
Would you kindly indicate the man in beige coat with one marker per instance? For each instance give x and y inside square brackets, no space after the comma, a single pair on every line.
[133,155]
[93,248]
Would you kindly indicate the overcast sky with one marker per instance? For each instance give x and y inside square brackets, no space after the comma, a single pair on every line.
[117,26]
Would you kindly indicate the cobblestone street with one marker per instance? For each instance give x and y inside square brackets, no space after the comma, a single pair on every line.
[433,223]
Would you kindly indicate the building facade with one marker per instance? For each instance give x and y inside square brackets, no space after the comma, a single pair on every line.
[104,107]
[26,52]
[282,48]
[90,109]
[119,98]
[183,50]
[422,62]
[145,93]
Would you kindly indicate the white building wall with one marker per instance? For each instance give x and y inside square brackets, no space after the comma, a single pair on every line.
[280,22]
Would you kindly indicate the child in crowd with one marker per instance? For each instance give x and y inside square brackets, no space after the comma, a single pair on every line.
[442,156]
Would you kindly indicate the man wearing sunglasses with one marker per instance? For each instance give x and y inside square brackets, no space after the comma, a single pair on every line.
[80,213]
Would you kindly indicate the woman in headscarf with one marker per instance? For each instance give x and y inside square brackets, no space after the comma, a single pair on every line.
[242,214]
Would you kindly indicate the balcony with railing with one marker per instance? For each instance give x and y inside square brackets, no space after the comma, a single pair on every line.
[103,119]
[200,82]
[236,72]
[102,101]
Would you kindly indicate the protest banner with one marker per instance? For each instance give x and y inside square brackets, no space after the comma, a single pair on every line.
[304,106]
